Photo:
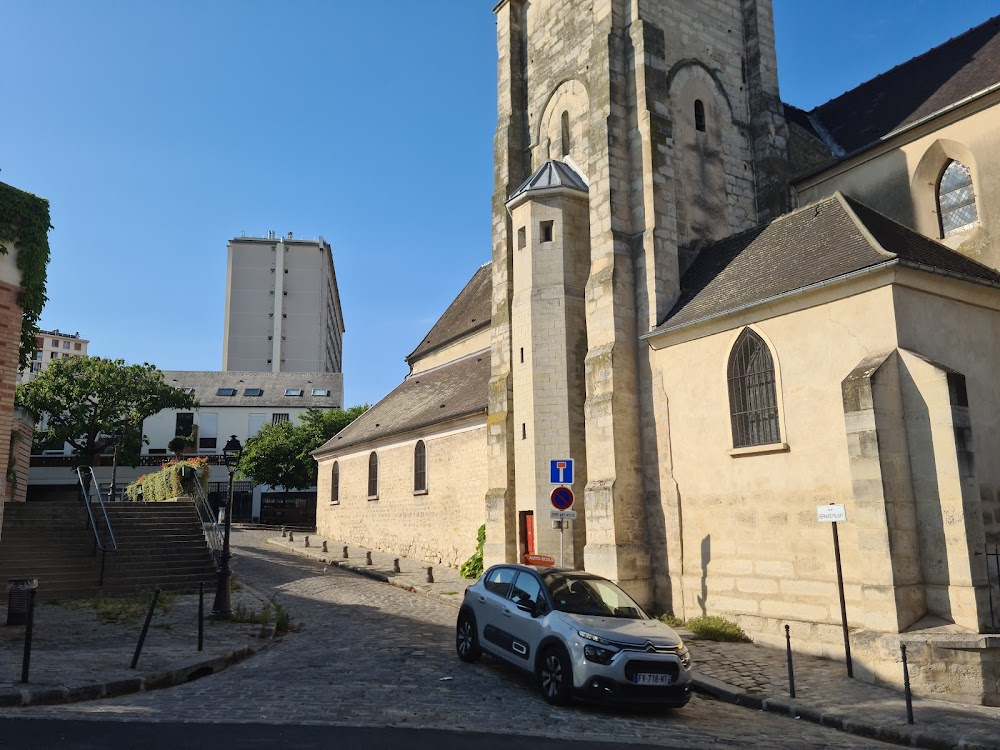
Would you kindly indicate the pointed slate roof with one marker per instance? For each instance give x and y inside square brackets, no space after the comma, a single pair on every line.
[959,68]
[821,242]
[469,312]
[444,393]
[552,174]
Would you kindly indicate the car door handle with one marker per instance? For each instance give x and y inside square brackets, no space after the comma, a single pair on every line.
[482,600]
[506,612]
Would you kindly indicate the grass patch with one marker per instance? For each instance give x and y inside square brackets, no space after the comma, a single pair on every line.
[281,617]
[669,619]
[714,628]
[123,610]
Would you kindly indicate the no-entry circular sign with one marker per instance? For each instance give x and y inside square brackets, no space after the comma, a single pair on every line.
[562,498]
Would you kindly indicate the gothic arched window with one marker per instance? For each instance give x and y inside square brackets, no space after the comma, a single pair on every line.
[956,199]
[420,467]
[335,483]
[373,475]
[753,400]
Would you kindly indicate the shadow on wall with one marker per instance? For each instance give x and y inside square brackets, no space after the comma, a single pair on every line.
[706,557]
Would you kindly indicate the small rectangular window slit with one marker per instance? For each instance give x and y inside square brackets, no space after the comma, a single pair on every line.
[545,231]
[522,238]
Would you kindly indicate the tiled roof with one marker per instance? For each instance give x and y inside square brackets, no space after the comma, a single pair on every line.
[273,384]
[957,69]
[552,174]
[817,243]
[469,312]
[444,393]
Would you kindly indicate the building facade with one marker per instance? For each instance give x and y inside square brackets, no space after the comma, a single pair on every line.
[282,306]
[49,346]
[730,313]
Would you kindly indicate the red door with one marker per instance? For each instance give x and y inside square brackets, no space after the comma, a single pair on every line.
[527,519]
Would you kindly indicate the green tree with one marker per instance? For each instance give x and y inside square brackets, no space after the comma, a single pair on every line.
[83,400]
[280,454]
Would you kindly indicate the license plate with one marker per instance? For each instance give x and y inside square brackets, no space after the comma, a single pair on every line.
[653,679]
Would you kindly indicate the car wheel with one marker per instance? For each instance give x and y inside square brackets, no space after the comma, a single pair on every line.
[555,676]
[466,641]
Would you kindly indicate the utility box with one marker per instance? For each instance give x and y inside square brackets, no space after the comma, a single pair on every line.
[19,592]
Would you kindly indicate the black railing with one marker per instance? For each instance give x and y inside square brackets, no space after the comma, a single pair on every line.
[71,462]
[88,488]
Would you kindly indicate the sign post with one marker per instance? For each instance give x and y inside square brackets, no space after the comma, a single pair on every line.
[832,514]
[562,500]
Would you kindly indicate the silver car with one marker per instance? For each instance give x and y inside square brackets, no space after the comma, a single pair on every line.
[579,634]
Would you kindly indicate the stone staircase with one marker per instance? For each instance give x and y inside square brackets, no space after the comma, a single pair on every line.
[159,544]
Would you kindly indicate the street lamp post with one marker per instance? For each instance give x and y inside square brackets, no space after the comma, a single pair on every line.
[117,438]
[222,609]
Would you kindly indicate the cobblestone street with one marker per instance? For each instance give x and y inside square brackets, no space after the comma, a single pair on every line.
[369,654]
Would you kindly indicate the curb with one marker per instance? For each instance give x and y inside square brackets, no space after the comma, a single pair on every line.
[910,737]
[114,688]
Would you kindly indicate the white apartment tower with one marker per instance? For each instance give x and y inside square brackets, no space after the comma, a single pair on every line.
[282,306]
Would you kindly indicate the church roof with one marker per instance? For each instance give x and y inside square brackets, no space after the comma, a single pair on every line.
[959,68]
[454,390]
[552,174]
[469,312]
[821,242]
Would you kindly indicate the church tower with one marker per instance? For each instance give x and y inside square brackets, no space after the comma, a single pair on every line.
[668,112]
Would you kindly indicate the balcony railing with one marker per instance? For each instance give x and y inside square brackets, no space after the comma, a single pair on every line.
[71,462]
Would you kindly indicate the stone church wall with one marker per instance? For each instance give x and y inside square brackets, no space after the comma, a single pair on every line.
[438,526]
[752,547]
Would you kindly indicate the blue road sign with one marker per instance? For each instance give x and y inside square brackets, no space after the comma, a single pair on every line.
[561,471]
[561,498]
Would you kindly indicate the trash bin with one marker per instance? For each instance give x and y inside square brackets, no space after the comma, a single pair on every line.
[18,599]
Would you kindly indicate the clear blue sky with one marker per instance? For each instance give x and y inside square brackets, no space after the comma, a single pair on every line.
[158,131]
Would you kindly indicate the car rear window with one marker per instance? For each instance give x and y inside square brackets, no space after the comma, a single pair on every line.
[498,582]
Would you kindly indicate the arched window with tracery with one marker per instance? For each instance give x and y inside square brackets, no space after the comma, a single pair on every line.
[373,475]
[753,397]
[335,483]
[420,467]
[956,199]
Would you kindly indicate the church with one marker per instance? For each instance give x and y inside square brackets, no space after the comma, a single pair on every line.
[728,312]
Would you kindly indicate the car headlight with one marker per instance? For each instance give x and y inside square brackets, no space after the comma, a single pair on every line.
[598,654]
[685,656]
[592,637]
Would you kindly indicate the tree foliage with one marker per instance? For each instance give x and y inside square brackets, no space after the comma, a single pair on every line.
[280,454]
[83,400]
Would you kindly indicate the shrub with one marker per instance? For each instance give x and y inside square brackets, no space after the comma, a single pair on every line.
[473,567]
[669,619]
[175,479]
[715,628]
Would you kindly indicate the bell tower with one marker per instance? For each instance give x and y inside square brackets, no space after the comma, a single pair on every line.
[668,111]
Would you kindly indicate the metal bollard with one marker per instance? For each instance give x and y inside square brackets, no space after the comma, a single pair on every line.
[791,672]
[29,626]
[906,686]
[307,540]
[291,536]
[345,551]
[284,532]
[395,565]
[368,558]
[145,628]
[430,574]
[324,546]
[201,615]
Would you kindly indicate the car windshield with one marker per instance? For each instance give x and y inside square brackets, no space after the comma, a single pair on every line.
[587,595]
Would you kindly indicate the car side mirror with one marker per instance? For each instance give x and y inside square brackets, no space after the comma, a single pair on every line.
[526,606]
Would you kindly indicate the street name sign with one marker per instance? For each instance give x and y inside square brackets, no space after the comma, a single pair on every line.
[830,513]
[561,471]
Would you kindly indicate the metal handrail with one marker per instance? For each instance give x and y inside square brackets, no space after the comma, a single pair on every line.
[87,481]
[213,534]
